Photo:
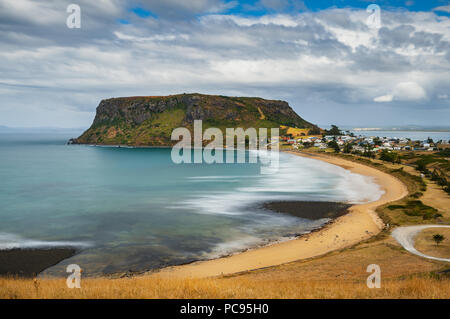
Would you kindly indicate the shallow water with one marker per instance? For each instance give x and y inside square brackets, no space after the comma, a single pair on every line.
[134,209]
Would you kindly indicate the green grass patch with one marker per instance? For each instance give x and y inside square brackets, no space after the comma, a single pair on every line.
[417,208]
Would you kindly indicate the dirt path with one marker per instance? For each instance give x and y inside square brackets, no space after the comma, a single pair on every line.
[405,237]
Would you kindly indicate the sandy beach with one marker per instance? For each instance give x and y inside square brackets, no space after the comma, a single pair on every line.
[359,224]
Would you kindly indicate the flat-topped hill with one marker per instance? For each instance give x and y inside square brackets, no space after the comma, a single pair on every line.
[150,120]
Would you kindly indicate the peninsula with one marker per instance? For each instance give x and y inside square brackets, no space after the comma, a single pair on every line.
[150,120]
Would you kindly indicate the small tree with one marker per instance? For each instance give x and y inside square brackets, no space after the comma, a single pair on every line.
[368,152]
[315,130]
[348,148]
[438,238]
[389,156]
[334,131]
[435,175]
[377,141]
[334,145]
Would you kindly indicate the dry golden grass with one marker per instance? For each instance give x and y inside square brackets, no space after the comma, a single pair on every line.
[336,275]
[351,264]
[424,242]
[296,132]
[152,287]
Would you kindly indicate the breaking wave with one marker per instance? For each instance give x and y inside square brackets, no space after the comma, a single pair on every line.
[11,241]
[298,178]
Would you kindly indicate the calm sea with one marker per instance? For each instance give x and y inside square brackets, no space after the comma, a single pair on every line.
[413,135]
[134,209]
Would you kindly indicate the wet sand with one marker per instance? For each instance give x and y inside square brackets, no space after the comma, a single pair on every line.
[30,262]
[308,209]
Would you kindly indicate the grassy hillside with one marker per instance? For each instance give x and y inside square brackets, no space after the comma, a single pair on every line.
[151,120]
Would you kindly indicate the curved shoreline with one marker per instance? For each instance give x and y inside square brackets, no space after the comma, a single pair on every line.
[359,224]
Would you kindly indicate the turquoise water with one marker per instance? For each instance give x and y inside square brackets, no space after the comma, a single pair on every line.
[134,209]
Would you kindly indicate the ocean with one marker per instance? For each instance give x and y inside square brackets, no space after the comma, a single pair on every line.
[133,209]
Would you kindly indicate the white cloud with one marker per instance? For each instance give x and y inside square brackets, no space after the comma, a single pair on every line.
[409,91]
[404,91]
[32,11]
[156,37]
[277,19]
[442,8]
[384,98]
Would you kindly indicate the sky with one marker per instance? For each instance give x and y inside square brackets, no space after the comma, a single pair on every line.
[330,60]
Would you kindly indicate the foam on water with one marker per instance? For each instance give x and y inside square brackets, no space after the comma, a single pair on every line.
[297,178]
[11,241]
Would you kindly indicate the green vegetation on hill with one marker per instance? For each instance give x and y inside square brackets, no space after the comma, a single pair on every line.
[417,208]
[434,166]
[151,120]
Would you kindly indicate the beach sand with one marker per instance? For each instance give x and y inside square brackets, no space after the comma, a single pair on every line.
[359,224]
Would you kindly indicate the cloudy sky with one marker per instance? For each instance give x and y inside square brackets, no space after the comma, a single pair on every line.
[326,58]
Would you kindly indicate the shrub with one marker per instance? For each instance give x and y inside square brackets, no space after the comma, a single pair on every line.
[334,145]
[389,156]
[438,238]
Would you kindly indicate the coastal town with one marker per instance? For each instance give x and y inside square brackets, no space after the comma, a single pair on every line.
[348,142]
[428,158]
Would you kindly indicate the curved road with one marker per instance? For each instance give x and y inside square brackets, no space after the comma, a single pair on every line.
[405,237]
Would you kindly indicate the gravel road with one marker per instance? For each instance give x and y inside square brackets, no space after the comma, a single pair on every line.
[405,237]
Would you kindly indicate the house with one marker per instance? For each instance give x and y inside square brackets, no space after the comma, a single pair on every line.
[305,140]
[320,145]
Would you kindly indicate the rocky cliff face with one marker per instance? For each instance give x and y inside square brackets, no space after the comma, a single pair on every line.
[150,120]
